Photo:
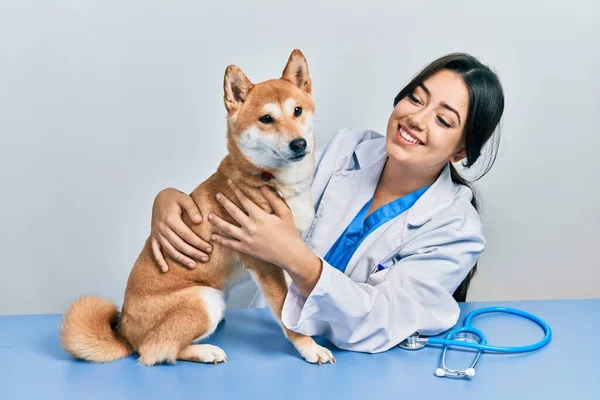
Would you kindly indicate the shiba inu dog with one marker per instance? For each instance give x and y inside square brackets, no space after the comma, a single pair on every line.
[269,140]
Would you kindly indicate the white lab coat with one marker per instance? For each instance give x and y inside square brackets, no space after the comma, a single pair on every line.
[428,251]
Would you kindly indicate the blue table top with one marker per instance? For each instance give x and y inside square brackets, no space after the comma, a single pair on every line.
[263,364]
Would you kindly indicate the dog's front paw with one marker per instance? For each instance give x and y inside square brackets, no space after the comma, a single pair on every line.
[315,354]
[204,353]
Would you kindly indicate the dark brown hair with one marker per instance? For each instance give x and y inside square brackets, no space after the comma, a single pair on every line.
[486,105]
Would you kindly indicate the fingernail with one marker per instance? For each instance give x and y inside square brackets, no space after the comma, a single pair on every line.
[210,217]
[208,249]
[229,181]
[218,196]
[192,265]
[164,269]
[213,237]
[204,259]
[198,217]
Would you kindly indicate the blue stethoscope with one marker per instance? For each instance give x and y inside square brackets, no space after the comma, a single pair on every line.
[471,337]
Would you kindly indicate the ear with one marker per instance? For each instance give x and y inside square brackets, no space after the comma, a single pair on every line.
[296,71]
[236,87]
[459,155]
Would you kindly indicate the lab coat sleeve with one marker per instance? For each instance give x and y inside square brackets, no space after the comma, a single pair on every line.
[415,294]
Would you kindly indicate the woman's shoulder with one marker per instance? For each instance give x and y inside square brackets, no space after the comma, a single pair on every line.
[355,135]
[347,140]
[447,204]
[462,212]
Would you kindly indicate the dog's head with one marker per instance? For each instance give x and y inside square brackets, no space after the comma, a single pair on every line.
[271,122]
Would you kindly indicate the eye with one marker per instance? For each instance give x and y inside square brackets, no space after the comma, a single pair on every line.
[413,98]
[266,119]
[297,112]
[443,122]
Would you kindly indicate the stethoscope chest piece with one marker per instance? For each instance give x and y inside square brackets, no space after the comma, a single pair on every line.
[412,342]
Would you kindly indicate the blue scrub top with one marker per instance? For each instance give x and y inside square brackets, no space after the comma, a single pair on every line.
[343,249]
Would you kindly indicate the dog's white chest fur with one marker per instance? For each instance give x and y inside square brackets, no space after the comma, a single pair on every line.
[303,211]
[296,182]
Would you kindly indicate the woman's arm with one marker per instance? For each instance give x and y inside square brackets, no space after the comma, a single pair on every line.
[304,267]
[413,295]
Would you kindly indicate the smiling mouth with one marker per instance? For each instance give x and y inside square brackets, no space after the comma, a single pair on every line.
[408,137]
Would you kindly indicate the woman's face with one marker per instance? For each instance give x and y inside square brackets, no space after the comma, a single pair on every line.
[426,128]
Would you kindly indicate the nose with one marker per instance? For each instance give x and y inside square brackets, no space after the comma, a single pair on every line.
[415,121]
[298,145]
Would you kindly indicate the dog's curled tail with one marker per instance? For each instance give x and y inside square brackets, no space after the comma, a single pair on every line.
[88,331]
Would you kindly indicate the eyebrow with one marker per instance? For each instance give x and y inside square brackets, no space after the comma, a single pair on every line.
[443,104]
[447,107]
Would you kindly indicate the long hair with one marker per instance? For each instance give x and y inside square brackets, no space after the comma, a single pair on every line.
[486,106]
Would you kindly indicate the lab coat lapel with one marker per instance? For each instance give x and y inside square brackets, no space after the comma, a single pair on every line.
[346,193]
[436,199]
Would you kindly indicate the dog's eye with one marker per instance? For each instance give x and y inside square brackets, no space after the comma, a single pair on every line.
[266,119]
[297,111]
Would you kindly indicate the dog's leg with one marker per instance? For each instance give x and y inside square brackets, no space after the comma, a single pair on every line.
[194,317]
[272,283]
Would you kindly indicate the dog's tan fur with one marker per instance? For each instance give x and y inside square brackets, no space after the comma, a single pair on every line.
[164,313]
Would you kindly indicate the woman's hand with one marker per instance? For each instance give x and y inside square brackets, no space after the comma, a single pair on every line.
[269,237]
[171,233]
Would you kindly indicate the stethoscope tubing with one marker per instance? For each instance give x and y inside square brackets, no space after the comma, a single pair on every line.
[483,346]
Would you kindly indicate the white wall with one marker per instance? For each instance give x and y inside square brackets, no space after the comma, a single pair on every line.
[103,104]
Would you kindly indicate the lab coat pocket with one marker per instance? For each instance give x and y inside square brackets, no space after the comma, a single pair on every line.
[386,263]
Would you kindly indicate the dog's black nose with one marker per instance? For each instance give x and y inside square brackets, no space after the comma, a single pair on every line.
[298,145]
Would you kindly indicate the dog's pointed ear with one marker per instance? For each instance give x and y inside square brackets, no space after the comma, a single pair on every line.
[296,71]
[236,87]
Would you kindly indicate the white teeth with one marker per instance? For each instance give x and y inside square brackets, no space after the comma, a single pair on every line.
[408,137]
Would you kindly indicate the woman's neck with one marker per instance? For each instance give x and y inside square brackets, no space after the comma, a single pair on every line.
[398,180]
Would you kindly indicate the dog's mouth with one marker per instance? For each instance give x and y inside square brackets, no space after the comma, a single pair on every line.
[297,157]
[286,156]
